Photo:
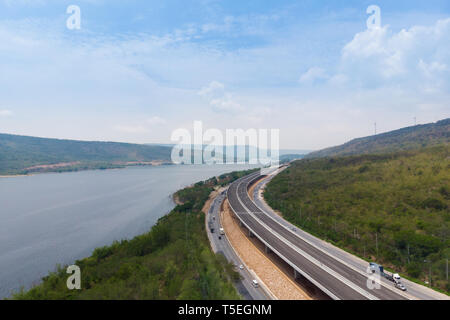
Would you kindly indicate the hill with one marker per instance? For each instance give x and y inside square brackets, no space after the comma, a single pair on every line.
[404,139]
[22,154]
[391,208]
[290,157]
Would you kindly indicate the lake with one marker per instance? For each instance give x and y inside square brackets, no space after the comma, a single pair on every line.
[50,219]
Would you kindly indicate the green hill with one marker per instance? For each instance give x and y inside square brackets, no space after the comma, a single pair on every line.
[21,154]
[391,208]
[404,139]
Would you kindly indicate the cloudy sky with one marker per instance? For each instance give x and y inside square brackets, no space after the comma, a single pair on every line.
[139,69]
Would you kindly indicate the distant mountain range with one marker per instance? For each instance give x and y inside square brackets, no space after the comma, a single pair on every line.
[283,152]
[25,155]
[409,138]
[22,154]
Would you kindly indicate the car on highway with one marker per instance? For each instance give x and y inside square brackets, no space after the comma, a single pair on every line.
[241,267]
[400,286]
[255,284]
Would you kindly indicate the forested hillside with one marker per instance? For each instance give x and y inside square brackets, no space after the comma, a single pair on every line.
[22,155]
[404,139]
[392,208]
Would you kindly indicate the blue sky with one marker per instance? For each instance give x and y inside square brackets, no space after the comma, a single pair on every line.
[137,70]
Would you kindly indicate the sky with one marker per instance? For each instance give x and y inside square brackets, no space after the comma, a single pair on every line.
[137,70]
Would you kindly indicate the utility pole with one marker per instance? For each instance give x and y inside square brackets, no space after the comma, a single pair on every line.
[375,124]
[408,252]
[376,242]
[429,275]
[447,270]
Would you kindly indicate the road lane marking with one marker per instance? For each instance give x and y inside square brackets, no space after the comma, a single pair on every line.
[301,252]
[268,259]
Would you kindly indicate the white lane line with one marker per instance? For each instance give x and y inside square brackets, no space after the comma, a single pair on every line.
[324,289]
[307,256]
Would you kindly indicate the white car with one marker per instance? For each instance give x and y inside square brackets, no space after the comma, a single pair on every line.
[241,267]
[400,286]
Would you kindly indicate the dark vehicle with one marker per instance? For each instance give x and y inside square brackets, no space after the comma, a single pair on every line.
[395,278]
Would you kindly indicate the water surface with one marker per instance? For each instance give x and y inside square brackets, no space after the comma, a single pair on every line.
[51,219]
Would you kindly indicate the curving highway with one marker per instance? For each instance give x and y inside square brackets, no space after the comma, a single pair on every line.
[223,246]
[333,276]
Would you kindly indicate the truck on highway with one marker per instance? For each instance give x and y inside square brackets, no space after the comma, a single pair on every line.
[211,227]
[395,278]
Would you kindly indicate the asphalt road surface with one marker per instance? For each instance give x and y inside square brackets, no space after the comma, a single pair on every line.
[336,278]
[244,286]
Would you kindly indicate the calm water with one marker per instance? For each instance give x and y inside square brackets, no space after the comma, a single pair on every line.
[51,219]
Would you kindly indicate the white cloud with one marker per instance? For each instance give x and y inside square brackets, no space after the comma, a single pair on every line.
[214,88]
[220,100]
[226,104]
[430,69]
[380,57]
[381,76]
[5,113]
[312,75]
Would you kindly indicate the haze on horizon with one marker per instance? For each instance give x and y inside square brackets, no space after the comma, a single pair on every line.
[137,70]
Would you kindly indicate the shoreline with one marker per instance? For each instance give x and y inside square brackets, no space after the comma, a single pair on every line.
[87,169]
[16,175]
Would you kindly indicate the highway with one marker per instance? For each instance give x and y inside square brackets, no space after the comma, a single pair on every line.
[334,277]
[223,246]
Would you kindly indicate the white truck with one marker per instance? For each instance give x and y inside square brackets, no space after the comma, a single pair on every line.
[395,278]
